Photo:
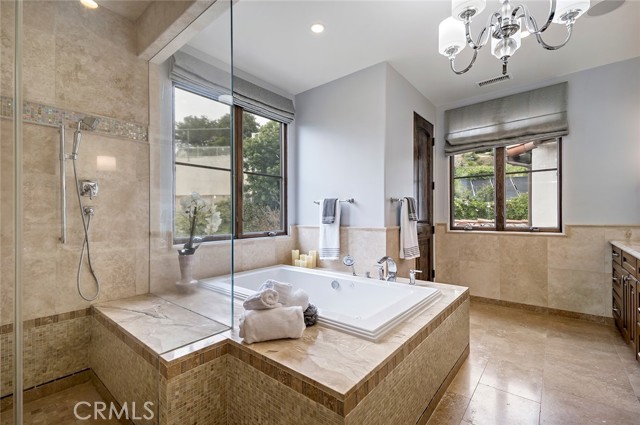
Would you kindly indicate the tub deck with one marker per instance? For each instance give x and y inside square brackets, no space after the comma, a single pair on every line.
[338,371]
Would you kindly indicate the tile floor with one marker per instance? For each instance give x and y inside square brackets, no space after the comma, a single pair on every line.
[57,409]
[529,368]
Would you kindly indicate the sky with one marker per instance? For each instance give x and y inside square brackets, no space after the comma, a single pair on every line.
[187,103]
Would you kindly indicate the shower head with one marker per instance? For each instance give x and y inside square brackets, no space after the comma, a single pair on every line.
[89,123]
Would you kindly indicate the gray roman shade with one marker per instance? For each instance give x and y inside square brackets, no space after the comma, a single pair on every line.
[208,80]
[533,115]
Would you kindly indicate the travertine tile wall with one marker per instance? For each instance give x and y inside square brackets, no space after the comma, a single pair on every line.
[569,272]
[366,245]
[83,61]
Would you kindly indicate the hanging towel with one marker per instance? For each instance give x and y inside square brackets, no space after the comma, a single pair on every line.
[262,300]
[329,210]
[284,290]
[413,209]
[408,233]
[275,323]
[330,235]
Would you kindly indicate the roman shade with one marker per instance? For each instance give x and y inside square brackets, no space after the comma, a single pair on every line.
[208,80]
[533,115]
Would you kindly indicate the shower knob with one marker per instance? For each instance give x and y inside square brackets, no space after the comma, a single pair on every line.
[89,188]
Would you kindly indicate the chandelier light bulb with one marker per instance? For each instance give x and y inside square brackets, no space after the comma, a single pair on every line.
[451,37]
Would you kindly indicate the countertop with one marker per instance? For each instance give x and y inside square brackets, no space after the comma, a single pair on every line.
[632,247]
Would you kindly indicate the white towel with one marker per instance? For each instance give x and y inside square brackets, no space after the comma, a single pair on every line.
[275,323]
[330,237]
[284,289]
[299,298]
[262,300]
[408,234]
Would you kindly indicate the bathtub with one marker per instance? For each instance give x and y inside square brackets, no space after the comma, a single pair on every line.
[367,308]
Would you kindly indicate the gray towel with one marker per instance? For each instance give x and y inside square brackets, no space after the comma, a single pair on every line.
[310,315]
[329,210]
[413,209]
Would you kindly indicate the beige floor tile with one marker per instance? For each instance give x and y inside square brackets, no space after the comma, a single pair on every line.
[466,381]
[490,406]
[560,408]
[515,378]
[450,409]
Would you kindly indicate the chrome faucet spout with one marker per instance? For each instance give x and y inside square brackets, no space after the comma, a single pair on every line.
[392,268]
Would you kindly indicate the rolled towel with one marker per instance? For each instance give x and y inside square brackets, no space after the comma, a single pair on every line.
[284,290]
[275,323]
[310,315]
[262,300]
[299,298]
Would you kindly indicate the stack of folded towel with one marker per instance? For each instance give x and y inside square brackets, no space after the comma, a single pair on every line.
[274,312]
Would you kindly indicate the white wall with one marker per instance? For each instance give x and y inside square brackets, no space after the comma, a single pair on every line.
[339,133]
[402,101]
[600,156]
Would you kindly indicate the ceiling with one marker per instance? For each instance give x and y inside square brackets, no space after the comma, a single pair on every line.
[272,41]
[130,9]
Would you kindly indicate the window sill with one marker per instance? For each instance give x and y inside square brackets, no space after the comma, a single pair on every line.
[506,232]
[239,241]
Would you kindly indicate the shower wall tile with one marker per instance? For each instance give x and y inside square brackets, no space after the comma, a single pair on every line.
[569,272]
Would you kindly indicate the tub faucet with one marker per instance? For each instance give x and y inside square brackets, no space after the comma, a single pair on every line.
[392,269]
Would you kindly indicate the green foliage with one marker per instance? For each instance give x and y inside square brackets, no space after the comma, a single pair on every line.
[469,207]
[194,208]
[518,207]
[201,131]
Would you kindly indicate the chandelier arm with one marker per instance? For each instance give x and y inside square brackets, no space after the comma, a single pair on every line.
[479,43]
[556,47]
[473,59]
[530,21]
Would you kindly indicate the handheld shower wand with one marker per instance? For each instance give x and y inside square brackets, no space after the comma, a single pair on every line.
[86,213]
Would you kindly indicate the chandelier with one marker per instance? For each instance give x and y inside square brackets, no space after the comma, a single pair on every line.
[505,27]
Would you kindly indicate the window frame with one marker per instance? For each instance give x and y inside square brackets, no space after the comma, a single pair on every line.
[236,172]
[500,197]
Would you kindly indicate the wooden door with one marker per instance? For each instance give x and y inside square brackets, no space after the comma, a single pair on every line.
[423,186]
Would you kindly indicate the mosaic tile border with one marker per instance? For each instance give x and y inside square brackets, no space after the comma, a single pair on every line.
[47,320]
[602,320]
[39,113]
[338,403]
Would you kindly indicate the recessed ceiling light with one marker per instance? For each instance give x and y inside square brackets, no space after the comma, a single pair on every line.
[89,4]
[317,28]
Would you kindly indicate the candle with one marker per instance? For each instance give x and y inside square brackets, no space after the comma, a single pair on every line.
[298,263]
[303,258]
[309,264]
[314,255]
[295,255]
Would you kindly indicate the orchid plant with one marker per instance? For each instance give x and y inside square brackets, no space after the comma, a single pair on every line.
[198,212]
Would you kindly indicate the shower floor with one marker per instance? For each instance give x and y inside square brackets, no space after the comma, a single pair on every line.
[58,408]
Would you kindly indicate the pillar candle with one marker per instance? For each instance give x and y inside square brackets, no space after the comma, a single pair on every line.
[295,255]
[309,264]
[314,255]
[298,263]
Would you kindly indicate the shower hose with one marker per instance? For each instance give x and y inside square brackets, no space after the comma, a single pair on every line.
[86,245]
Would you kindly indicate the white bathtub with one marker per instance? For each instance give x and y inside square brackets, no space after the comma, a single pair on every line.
[367,308]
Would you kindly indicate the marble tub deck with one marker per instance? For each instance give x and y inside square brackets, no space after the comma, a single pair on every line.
[335,365]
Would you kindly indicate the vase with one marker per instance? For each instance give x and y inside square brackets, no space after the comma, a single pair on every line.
[187,263]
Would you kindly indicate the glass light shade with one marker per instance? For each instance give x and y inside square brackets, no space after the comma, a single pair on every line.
[501,47]
[564,6]
[459,6]
[451,34]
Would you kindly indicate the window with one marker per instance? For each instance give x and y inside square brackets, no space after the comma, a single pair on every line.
[203,130]
[512,188]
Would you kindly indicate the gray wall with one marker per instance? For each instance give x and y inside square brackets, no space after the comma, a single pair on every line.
[601,173]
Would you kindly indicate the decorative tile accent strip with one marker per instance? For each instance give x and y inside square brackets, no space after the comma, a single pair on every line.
[38,113]
[545,310]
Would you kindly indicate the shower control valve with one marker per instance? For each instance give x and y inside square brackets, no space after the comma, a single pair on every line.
[89,188]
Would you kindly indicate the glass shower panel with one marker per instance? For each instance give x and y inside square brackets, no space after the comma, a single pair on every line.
[192,169]
[7,210]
